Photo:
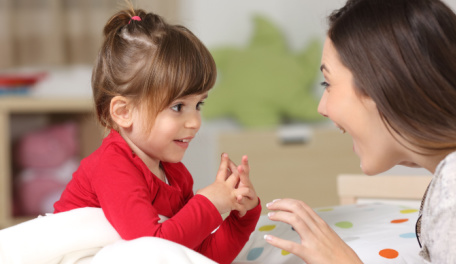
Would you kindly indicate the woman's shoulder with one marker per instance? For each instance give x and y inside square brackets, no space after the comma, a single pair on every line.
[446,170]
[441,197]
[439,212]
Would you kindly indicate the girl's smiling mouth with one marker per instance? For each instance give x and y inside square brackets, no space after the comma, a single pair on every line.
[184,142]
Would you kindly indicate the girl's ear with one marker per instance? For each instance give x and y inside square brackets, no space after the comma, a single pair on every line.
[121,111]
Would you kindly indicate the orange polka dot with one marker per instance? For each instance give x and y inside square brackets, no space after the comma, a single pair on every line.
[398,221]
[388,253]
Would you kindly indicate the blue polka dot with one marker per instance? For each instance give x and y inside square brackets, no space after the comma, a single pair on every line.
[408,235]
[254,253]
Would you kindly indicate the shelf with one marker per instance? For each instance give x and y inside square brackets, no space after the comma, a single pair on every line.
[79,109]
[19,104]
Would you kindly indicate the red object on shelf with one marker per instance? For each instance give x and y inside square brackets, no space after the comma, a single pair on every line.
[20,79]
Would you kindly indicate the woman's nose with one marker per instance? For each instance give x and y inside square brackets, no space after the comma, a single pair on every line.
[322,105]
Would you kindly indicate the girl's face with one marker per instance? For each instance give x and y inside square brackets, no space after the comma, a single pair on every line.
[358,116]
[173,129]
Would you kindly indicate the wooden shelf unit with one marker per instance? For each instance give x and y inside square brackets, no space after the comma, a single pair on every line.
[79,109]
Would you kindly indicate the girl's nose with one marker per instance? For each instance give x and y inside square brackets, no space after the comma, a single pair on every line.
[322,105]
[193,120]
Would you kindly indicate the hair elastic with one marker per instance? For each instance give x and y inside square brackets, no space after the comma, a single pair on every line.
[137,18]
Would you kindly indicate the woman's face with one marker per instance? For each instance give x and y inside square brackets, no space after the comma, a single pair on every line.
[358,116]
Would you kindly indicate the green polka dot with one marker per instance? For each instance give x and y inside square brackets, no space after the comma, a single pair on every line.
[325,209]
[344,224]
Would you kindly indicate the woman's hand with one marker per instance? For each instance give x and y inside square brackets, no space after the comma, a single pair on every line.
[319,242]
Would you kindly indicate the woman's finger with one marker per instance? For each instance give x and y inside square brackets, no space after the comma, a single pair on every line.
[295,213]
[300,225]
[289,246]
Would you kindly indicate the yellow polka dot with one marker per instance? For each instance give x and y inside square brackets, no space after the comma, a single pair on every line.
[409,211]
[267,228]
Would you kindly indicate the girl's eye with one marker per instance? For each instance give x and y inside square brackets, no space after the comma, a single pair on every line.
[199,105]
[324,84]
[177,108]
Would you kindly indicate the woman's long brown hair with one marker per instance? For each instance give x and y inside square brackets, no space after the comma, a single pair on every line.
[402,54]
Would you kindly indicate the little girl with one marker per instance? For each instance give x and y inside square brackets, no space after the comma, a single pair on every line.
[149,83]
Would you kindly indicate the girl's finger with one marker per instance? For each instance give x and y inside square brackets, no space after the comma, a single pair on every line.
[241,209]
[233,180]
[222,173]
[245,192]
[243,176]
[232,167]
[245,164]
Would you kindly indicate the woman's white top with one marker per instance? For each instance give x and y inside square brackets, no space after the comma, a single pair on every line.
[438,221]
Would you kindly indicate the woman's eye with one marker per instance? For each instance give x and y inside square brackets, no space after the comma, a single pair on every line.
[324,84]
[199,105]
[177,108]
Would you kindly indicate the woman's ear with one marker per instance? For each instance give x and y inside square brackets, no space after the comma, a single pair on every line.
[121,111]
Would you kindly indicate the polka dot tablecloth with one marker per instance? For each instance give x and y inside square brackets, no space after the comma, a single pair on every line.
[379,233]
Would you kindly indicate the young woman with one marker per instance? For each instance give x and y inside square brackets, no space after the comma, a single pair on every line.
[390,82]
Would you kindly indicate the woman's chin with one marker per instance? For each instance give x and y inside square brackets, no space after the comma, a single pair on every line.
[409,164]
[371,171]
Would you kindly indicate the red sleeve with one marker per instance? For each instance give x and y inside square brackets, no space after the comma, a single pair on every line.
[125,197]
[225,244]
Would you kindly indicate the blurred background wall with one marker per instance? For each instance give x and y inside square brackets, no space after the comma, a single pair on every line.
[62,37]
[58,32]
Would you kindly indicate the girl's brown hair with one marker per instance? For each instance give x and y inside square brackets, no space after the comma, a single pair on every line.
[402,54]
[148,61]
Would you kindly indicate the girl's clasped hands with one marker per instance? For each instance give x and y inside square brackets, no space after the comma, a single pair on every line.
[232,189]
